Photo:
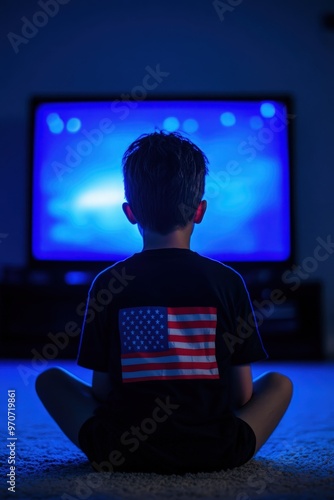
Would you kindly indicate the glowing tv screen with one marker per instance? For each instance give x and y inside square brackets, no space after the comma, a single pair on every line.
[77,182]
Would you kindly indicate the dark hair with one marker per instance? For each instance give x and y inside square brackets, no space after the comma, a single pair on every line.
[164,179]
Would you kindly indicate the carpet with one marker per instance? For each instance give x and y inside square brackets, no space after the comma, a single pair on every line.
[296,462]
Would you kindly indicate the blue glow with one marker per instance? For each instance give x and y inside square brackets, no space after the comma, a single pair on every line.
[77,278]
[227,119]
[190,126]
[73,125]
[77,198]
[267,110]
[171,124]
[56,124]
[255,122]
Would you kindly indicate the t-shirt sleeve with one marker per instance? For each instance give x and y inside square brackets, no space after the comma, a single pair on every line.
[93,348]
[247,346]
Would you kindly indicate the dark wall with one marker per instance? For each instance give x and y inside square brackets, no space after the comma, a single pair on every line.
[104,46]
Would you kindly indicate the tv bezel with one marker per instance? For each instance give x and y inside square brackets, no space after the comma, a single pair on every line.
[97,265]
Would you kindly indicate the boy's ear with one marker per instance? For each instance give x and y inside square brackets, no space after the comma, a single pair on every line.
[128,213]
[199,214]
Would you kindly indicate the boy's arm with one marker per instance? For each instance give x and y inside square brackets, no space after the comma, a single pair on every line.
[101,385]
[242,385]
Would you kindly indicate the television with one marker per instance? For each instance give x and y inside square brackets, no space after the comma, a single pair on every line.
[77,188]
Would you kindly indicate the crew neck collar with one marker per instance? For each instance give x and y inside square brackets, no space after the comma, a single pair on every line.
[166,251]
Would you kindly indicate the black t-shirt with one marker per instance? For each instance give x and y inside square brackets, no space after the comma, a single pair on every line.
[167,325]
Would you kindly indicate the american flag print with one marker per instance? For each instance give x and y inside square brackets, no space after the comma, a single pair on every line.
[165,343]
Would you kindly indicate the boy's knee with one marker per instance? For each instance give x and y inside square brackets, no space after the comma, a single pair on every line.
[45,379]
[282,383]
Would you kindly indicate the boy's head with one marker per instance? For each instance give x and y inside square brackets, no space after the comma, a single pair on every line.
[164,179]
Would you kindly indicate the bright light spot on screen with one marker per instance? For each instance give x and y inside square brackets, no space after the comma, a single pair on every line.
[267,110]
[227,119]
[52,117]
[73,125]
[256,122]
[171,124]
[190,125]
[99,198]
[55,123]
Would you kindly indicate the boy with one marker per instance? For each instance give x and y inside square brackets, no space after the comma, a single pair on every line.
[172,389]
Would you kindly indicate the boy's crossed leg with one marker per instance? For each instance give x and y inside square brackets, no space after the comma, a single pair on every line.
[69,400]
[272,394]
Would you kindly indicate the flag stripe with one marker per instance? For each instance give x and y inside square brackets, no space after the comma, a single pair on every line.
[177,371]
[191,310]
[194,331]
[156,367]
[168,359]
[190,317]
[193,346]
[172,352]
[192,339]
[192,324]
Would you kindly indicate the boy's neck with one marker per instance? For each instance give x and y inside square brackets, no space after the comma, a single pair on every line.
[180,238]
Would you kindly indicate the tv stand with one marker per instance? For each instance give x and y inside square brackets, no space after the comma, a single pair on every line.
[35,305]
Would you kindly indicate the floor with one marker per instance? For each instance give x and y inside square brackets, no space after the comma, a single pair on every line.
[296,462]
